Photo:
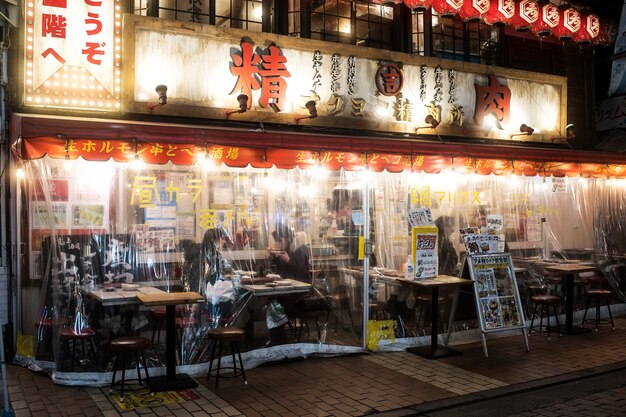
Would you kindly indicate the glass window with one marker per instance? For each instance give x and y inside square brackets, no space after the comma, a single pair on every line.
[228,13]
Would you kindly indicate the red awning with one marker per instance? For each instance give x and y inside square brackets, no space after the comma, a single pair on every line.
[101,139]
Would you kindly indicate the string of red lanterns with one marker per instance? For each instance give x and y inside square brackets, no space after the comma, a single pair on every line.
[541,17]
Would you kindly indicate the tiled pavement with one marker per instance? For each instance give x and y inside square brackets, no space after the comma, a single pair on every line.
[361,384]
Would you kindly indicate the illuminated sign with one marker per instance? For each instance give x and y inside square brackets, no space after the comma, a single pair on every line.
[73,54]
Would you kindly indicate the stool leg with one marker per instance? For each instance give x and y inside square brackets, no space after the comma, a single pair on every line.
[219,365]
[137,365]
[610,315]
[208,376]
[243,371]
[232,351]
[530,329]
[597,313]
[556,316]
[123,378]
[586,308]
[115,365]
[145,365]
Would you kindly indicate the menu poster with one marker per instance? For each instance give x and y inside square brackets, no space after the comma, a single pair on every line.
[424,251]
[482,243]
[495,289]
[421,217]
[119,255]
[77,257]
[495,222]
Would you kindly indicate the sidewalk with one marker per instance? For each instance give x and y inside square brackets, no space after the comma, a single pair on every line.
[389,384]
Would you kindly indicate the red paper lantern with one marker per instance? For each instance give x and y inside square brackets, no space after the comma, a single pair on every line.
[526,13]
[606,33]
[446,8]
[473,9]
[569,23]
[500,12]
[418,4]
[547,20]
[589,28]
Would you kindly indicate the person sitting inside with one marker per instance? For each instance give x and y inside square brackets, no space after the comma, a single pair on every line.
[448,258]
[215,266]
[290,256]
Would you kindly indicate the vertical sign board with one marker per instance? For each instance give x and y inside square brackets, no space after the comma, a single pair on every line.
[72,54]
[496,293]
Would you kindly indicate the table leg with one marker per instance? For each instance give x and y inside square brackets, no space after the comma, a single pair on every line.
[434,351]
[170,381]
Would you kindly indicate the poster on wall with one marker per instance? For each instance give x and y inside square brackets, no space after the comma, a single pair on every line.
[424,250]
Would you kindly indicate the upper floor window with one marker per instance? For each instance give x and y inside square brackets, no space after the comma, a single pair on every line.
[451,38]
[352,22]
[242,14]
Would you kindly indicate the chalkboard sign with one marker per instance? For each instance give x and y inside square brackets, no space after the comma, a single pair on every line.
[498,303]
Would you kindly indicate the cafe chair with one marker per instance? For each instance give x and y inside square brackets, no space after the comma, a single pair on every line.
[598,295]
[126,345]
[423,305]
[311,309]
[544,302]
[70,338]
[219,335]
[158,320]
[341,306]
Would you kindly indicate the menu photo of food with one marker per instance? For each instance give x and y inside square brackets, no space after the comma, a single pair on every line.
[510,313]
[491,313]
[504,283]
[485,282]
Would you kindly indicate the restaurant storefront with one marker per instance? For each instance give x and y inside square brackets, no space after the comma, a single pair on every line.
[311,165]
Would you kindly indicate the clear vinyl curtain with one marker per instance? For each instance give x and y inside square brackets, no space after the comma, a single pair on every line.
[93,225]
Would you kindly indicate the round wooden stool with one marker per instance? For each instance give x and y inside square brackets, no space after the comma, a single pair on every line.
[234,335]
[128,344]
[541,302]
[598,295]
[69,336]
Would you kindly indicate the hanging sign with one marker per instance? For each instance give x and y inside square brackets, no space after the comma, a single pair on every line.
[73,54]
[526,13]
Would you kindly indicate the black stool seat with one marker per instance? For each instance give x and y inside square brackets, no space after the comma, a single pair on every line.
[228,334]
[598,295]
[545,299]
[128,344]
[219,335]
[543,302]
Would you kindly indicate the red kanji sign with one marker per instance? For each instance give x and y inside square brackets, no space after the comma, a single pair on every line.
[389,79]
[493,99]
[248,66]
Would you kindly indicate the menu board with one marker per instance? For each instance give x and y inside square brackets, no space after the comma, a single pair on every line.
[498,302]
[424,252]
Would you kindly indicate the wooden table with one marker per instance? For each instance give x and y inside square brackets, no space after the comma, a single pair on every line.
[262,290]
[121,297]
[569,272]
[294,287]
[170,381]
[435,351]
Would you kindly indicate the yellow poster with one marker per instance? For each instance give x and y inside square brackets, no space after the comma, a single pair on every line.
[424,251]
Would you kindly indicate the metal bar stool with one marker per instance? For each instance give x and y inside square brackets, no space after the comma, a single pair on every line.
[598,295]
[234,335]
[541,302]
[128,344]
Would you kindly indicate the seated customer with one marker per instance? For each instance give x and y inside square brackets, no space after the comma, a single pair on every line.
[448,258]
[215,266]
[290,257]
